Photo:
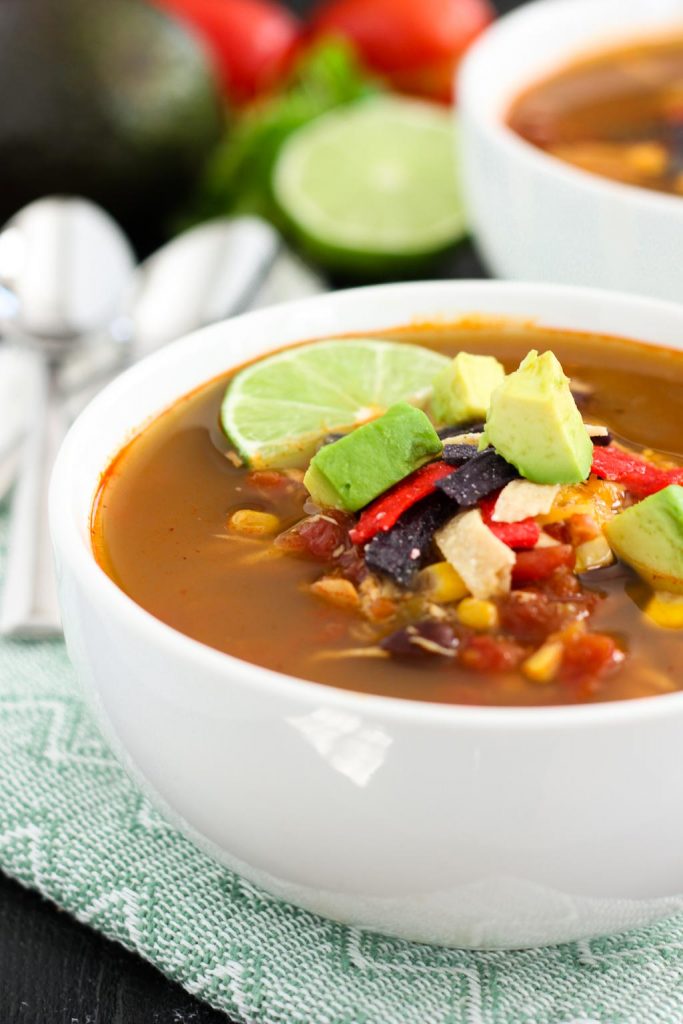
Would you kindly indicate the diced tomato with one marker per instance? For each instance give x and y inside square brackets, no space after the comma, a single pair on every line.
[582,528]
[588,656]
[635,473]
[523,534]
[271,483]
[529,616]
[558,531]
[564,585]
[252,41]
[415,44]
[386,510]
[541,563]
[490,654]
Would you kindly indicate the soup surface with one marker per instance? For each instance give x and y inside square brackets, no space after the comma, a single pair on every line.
[165,530]
[618,113]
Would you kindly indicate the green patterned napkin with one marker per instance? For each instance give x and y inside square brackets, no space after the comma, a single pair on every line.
[75,828]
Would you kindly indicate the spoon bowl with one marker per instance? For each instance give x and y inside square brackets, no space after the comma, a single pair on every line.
[65,268]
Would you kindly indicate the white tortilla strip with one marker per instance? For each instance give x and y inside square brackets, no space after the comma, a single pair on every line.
[521,499]
[483,562]
[595,430]
[463,439]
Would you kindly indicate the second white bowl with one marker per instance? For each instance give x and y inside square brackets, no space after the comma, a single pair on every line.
[535,217]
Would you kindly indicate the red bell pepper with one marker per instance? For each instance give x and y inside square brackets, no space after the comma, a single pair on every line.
[523,534]
[386,510]
[635,473]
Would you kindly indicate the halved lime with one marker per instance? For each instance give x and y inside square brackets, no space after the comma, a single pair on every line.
[373,186]
[276,410]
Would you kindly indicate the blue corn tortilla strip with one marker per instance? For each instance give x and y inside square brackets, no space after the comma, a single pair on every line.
[487,471]
[476,427]
[458,454]
[406,547]
[602,440]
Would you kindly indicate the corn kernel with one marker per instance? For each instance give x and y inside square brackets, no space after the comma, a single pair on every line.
[648,158]
[478,614]
[542,666]
[441,583]
[251,523]
[593,554]
[337,591]
[665,610]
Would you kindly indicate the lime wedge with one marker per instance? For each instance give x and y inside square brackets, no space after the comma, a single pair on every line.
[373,186]
[276,410]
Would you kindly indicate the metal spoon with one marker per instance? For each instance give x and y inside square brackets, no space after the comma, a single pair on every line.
[68,267]
[205,274]
[208,273]
[215,270]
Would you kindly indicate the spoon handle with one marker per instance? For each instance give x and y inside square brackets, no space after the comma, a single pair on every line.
[29,603]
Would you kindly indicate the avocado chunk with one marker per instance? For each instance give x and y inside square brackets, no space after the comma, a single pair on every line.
[533,422]
[462,391]
[360,466]
[649,537]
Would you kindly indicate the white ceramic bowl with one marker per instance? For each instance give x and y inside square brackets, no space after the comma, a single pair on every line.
[466,826]
[535,217]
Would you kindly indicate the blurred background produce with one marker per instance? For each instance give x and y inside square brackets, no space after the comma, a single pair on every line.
[167,112]
[415,45]
[252,42]
[108,99]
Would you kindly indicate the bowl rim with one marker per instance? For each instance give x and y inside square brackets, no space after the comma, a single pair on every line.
[119,607]
[472,70]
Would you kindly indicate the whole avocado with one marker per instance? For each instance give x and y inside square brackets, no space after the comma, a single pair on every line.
[109,99]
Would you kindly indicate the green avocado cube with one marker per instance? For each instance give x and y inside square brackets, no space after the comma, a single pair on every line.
[534,423]
[649,537]
[462,391]
[352,471]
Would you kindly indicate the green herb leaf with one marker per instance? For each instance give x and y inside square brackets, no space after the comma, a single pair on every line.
[237,178]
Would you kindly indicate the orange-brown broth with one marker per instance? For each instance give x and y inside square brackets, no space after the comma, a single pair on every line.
[159,530]
[617,113]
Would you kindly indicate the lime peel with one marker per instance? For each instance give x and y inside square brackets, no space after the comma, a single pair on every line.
[274,412]
[374,181]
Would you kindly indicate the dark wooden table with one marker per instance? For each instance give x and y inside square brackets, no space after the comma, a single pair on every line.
[56,971]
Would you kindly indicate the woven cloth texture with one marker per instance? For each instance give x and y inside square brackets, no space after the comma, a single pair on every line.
[75,828]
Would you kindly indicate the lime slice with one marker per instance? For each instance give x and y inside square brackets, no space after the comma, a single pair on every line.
[373,186]
[276,410]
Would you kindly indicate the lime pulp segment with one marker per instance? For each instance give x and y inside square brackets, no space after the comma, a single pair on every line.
[276,410]
[377,177]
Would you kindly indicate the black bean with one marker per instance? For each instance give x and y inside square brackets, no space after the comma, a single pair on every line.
[425,639]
